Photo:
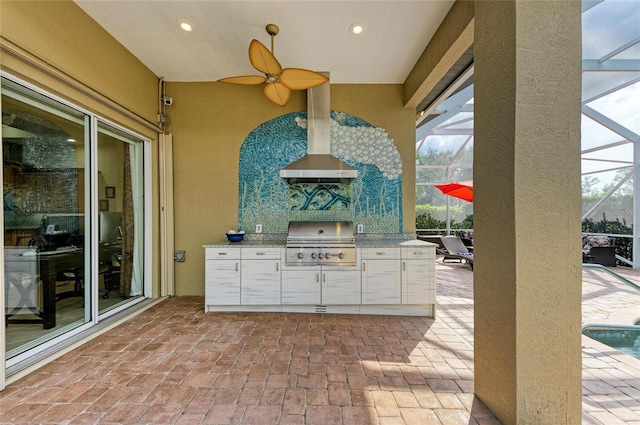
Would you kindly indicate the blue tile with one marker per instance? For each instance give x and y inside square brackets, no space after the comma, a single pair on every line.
[374,198]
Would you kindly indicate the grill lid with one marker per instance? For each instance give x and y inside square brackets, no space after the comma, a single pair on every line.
[321,232]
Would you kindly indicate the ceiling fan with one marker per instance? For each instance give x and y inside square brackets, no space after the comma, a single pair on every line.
[278,82]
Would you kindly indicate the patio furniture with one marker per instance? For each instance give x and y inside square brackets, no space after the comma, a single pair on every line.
[456,250]
[440,249]
[599,250]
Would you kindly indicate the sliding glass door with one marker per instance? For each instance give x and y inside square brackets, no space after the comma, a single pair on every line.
[45,201]
[120,217]
[73,210]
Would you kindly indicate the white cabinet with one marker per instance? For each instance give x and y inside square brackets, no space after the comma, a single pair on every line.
[340,285]
[381,276]
[396,279]
[301,286]
[321,285]
[260,270]
[418,275]
[222,276]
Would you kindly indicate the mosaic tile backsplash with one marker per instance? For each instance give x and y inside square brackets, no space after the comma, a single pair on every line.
[373,199]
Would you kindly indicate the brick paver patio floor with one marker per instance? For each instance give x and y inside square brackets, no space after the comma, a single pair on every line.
[174,364]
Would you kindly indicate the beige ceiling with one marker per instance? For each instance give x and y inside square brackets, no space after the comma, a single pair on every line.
[313,35]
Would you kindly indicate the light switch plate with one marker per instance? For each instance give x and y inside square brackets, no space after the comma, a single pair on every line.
[258,228]
[360,228]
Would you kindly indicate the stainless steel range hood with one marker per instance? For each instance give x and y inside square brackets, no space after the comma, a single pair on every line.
[318,165]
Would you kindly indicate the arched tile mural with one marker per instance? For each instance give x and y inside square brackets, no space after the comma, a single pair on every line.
[373,199]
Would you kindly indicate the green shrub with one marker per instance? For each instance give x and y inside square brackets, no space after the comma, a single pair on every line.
[425,220]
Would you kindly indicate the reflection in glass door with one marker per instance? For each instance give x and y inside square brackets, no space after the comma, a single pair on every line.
[46,284]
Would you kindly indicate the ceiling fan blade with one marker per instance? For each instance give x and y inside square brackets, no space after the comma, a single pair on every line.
[262,59]
[301,79]
[278,93]
[251,80]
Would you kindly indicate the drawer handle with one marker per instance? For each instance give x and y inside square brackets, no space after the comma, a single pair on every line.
[260,253]
[222,253]
[380,253]
[417,253]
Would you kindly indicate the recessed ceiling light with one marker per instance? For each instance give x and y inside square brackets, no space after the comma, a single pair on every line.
[185,26]
[356,28]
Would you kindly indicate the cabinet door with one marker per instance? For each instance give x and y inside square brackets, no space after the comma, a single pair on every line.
[260,282]
[301,286]
[340,285]
[222,282]
[418,275]
[418,282]
[381,281]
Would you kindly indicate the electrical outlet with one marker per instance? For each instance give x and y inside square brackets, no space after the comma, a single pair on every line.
[360,228]
[180,256]
[258,228]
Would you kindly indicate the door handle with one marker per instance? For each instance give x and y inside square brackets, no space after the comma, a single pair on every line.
[236,266]
[364,267]
[404,266]
[324,277]
[277,267]
[317,277]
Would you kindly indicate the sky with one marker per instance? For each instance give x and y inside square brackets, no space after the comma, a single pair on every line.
[607,26]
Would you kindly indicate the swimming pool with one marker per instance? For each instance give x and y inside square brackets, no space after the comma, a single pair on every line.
[622,338]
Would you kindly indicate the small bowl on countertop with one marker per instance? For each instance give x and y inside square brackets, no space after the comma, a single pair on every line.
[235,237]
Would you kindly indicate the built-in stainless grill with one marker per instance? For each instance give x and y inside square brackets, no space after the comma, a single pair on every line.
[321,243]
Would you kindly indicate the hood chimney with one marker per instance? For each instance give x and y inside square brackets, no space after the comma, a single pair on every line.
[318,165]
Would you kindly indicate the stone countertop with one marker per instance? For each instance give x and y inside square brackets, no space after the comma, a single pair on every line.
[247,244]
[360,243]
[392,243]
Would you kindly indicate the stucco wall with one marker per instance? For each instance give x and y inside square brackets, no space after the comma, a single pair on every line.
[62,34]
[527,277]
[209,123]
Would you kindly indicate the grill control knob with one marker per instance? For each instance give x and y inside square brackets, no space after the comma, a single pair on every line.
[341,255]
[300,255]
[327,255]
[321,256]
[314,256]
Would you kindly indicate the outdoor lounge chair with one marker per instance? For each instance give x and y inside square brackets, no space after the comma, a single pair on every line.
[456,250]
[440,249]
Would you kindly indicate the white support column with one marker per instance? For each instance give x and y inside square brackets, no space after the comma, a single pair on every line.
[167,242]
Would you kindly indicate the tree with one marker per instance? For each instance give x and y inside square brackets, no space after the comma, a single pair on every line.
[590,186]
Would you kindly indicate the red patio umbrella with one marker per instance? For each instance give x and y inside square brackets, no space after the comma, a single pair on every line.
[462,190]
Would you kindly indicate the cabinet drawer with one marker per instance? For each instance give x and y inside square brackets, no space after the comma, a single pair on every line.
[222,253]
[380,253]
[417,253]
[260,253]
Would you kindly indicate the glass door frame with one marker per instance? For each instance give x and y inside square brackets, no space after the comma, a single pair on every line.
[91,208]
[146,233]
